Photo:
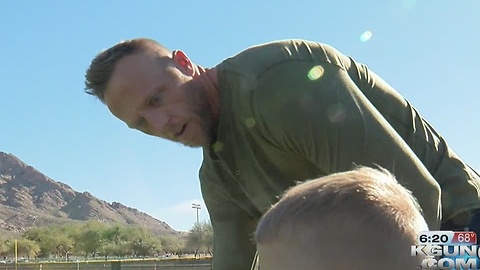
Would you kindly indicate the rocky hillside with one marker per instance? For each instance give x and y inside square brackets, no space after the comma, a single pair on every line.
[29,199]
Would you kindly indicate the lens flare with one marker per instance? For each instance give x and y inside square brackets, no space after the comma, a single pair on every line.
[409,4]
[366,36]
[315,73]
[336,113]
[250,122]
[217,147]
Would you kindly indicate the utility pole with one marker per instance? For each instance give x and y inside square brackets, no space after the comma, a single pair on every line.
[197,207]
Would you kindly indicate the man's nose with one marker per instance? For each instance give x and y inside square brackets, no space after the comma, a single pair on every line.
[158,124]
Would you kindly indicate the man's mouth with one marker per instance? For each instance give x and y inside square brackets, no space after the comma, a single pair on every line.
[180,131]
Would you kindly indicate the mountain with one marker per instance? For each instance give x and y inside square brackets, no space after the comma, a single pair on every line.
[29,199]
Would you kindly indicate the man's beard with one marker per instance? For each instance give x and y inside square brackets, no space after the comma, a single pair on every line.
[208,124]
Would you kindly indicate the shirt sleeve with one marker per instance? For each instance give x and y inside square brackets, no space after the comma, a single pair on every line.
[232,222]
[316,111]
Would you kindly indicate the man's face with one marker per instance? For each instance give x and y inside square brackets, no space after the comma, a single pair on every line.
[158,98]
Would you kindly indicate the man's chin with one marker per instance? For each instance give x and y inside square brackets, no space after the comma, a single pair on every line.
[192,144]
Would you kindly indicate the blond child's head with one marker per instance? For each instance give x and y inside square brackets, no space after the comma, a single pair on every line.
[360,219]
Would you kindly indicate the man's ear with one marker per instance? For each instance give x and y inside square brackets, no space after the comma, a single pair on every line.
[184,62]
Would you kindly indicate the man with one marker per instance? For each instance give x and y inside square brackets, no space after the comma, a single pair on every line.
[273,115]
[361,219]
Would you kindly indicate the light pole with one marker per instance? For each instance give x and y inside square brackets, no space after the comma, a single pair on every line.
[196,206]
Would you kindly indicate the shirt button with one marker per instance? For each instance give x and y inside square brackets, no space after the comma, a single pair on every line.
[237,172]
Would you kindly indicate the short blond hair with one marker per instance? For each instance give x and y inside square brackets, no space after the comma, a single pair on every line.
[365,207]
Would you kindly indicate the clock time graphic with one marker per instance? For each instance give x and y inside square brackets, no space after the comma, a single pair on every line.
[447,238]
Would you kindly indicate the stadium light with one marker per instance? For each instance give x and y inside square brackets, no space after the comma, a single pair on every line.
[197,207]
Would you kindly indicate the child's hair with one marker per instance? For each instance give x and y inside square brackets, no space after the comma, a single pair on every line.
[363,216]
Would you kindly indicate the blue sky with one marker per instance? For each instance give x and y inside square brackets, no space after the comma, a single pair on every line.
[427,49]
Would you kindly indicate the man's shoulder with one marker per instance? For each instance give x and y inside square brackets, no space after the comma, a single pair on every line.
[250,64]
[245,70]
[260,57]
[258,81]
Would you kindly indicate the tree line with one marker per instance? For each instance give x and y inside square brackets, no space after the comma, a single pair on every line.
[93,239]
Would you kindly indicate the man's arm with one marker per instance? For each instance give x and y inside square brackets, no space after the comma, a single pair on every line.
[233,228]
[329,121]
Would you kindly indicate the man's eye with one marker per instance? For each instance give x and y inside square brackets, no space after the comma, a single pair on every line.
[155,100]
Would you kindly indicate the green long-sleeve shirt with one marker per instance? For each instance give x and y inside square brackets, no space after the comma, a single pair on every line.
[297,110]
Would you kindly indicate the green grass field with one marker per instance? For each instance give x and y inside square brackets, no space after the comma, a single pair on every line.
[150,264]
